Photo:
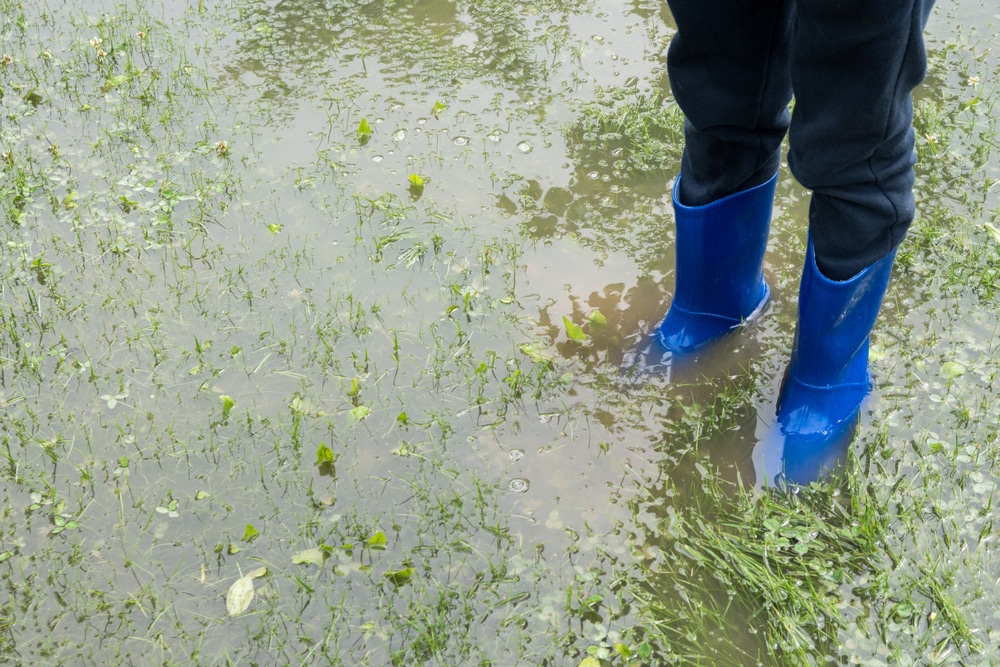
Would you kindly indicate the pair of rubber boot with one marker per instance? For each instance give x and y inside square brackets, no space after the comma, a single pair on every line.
[720,287]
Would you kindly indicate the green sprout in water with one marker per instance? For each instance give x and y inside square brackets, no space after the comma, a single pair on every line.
[364,131]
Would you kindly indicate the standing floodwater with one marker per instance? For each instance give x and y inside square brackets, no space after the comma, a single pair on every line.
[314,344]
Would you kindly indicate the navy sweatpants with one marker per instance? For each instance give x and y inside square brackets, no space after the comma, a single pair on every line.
[851,65]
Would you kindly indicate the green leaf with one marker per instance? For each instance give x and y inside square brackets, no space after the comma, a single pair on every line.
[590,661]
[438,108]
[399,577]
[378,541]
[597,319]
[114,81]
[314,556]
[360,412]
[227,405]
[239,596]
[536,351]
[274,227]
[250,534]
[951,370]
[574,332]
[364,128]
[325,455]
[416,180]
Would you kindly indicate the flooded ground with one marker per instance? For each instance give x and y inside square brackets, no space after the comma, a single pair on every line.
[314,340]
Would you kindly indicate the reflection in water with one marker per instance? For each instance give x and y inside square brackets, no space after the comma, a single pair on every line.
[291,46]
[616,201]
[781,461]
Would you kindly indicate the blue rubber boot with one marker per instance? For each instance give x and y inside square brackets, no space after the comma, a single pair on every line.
[719,267]
[828,378]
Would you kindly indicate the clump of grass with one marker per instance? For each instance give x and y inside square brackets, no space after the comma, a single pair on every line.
[778,567]
[641,133]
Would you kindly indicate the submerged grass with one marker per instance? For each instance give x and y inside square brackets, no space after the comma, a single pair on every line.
[219,354]
[776,566]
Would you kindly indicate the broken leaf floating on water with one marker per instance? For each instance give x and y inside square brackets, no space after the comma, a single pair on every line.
[574,332]
[536,351]
[399,577]
[312,556]
[325,459]
[241,592]
[377,541]
[227,406]
[951,370]
[325,455]
[113,82]
[364,131]
[597,319]
[416,186]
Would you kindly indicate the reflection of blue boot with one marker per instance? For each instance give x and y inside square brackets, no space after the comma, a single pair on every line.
[788,461]
[719,259]
[828,375]
[810,458]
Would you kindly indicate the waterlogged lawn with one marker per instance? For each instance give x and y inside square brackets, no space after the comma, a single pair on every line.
[312,332]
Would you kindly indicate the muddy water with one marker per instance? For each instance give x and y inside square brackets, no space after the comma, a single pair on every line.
[417,331]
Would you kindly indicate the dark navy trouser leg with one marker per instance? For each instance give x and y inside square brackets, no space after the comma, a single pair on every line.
[728,69]
[852,65]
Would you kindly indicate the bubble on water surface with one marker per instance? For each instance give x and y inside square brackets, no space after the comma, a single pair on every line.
[377,158]
[461,141]
[494,137]
[525,147]
[399,135]
[515,455]
[518,485]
